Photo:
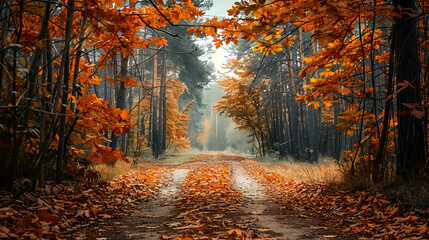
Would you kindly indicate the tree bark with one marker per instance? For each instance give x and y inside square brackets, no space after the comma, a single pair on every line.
[120,99]
[155,102]
[65,62]
[164,106]
[411,156]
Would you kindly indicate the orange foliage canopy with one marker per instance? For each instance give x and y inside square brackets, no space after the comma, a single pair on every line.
[338,67]
[241,102]
[113,27]
[177,121]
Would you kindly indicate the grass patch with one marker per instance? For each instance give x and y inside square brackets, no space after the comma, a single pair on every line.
[144,162]
[326,170]
[108,173]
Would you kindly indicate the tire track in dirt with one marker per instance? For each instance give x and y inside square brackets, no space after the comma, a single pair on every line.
[210,197]
[152,218]
[262,210]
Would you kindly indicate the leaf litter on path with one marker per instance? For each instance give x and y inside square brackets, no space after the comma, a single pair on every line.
[67,210]
[358,214]
[214,196]
[215,200]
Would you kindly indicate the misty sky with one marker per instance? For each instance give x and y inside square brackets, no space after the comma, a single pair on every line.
[220,7]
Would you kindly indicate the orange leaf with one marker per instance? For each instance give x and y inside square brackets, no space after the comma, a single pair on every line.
[344,90]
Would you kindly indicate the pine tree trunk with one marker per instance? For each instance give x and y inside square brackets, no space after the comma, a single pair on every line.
[411,155]
[160,105]
[155,102]
[164,106]
[293,106]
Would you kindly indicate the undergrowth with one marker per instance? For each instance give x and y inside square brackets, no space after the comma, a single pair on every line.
[326,170]
[340,176]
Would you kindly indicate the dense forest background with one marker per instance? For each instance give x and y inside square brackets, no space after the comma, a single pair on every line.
[97,81]
[298,77]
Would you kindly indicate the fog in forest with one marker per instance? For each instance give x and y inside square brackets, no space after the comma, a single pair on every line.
[220,132]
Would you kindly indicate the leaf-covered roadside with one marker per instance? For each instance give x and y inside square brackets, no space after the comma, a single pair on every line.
[63,210]
[207,206]
[355,214]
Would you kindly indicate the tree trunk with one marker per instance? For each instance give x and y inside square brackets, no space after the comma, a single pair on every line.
[65,62]
[4,16]
[120,98]
[293,114]
[75,86]
[411,156]
[155,134]
[128,137]
[164,106]
[160,105]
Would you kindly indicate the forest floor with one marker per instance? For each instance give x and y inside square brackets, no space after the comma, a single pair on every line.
[211,196]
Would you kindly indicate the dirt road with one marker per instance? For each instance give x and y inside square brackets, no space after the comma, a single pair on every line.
[213,196]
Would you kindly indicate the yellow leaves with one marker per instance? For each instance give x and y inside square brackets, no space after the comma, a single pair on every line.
[278,32]
[347,155]
[44,90]
[202,138]
[288,41]
[349,120]
[129,82]
[267,47]
[241,102]
[177,121]
[315,104]
[94,80]
[235,233]
[158,41]
[384,57]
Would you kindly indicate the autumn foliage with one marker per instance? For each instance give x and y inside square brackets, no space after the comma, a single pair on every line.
[60,210]
[356,64]
[64,76]
[93,81]
[361,213]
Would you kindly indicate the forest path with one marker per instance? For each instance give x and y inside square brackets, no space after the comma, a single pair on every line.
[213,196]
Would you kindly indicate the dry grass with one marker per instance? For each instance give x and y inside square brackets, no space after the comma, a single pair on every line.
[108,173]
[326,170]
[145,162]
[412,193]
